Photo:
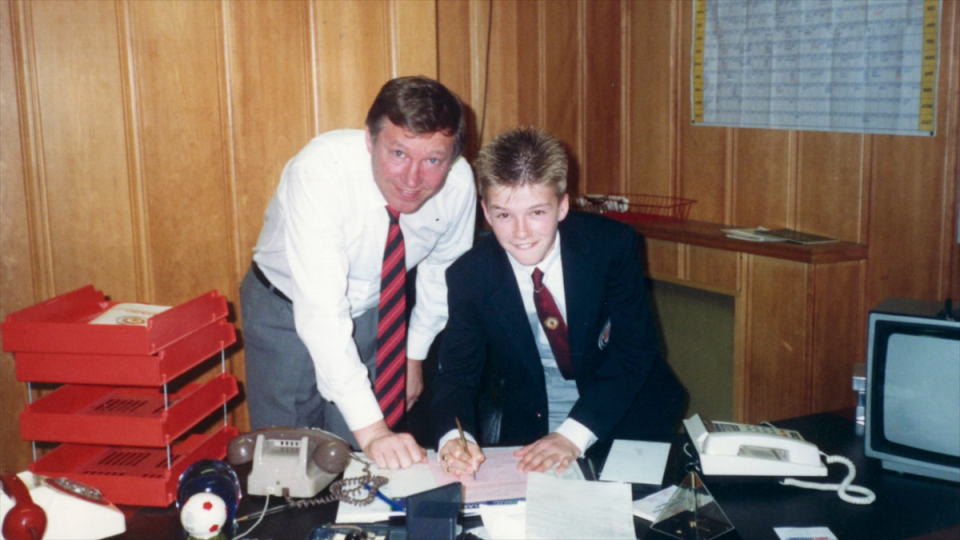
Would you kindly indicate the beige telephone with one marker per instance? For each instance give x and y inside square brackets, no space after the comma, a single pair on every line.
[732,449]
[289,461]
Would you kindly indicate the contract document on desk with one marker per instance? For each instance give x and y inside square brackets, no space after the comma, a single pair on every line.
[498,481]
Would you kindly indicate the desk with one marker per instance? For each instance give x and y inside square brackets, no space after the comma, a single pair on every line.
[907,507]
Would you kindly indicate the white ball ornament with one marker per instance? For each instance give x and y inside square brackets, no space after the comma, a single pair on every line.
[203,516]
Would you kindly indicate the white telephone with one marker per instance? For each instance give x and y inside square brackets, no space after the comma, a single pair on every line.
[732,449]
[745,450]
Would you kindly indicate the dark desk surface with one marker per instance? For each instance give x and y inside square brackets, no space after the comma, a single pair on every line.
[907,507]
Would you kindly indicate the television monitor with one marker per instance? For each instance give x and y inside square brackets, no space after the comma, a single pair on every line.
[913,388]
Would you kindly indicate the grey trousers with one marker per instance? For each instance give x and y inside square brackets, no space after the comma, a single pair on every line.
[281,380]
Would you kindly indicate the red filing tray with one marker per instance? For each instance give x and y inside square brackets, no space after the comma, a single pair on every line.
[59,325]
[122,416]
[144,370]
[133,476]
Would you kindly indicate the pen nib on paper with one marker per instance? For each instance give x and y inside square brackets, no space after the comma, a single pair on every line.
[463,441]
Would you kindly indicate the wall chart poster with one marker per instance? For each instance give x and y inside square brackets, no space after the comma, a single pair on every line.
[865,66]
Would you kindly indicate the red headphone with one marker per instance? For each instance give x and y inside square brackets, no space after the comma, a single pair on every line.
[26,520]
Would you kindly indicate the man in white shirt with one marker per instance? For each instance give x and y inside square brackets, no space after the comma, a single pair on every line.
[555,302]
[352,212]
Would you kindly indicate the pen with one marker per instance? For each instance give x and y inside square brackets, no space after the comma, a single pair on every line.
[463,441]
[394,505]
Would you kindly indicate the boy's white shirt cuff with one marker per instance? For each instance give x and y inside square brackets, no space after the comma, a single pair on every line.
[453,434]
[578,434]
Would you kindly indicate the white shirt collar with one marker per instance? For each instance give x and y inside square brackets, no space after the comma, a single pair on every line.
[548,262]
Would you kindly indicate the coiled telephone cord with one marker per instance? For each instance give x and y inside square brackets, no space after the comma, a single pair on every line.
[347,490]
[843,489]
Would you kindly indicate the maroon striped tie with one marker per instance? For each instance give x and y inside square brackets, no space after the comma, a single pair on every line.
[553,324]
[391,381]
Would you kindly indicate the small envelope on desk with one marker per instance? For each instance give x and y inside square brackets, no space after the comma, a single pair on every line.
[637,462]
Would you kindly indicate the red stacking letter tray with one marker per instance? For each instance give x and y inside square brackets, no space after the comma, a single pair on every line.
[63,325]
[133,476]
[109,415]
[127,370]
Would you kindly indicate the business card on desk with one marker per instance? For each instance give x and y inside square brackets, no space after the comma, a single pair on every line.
[637,462]
[804,533]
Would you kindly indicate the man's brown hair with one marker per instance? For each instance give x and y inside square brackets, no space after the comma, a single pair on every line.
[520,156]
[422,106]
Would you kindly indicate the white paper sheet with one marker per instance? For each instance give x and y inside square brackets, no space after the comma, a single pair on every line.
[637,462]
[505,522]
[574,509]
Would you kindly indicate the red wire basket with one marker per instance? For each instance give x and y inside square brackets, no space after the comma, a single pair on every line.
[635,207]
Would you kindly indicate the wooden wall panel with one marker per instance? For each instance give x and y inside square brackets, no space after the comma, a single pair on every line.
[661,259]
[831,184]
[839,337]
[714,269]
[454,58]
[495,84]
[602,104]
[563,69]
[354,59]
[414,32]
[16,273]
[907,216]
[178,59]
[761,186]
[702,151]
[530,76]
[271,104]
[84,161]
[777,370]
[651,113]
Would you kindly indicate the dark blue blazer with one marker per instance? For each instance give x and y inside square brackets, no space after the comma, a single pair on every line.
[626,389]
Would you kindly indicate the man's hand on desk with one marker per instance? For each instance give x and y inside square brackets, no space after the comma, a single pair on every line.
[458,463]
[387,449]
[541,456]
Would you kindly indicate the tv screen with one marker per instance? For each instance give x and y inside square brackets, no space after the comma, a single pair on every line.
[913,385]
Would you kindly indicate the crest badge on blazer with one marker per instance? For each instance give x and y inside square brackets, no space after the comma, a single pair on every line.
[604,338]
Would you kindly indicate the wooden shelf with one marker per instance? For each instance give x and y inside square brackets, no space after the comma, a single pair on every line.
[711,235]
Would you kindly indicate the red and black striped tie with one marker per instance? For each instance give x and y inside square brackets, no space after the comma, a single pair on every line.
[391,382]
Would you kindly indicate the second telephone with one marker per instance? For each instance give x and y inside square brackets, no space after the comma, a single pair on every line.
[745,450]
[289,461]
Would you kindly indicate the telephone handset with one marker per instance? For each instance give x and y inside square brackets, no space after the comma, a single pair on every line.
[26,520]
[290,461]
[744,450]
[34,506]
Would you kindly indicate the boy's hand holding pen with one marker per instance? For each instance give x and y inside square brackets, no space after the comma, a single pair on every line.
[461,457]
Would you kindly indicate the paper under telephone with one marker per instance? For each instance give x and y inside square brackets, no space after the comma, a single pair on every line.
[728,449]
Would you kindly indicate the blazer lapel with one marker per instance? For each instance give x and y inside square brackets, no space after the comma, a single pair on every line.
[578,279]
[507,307]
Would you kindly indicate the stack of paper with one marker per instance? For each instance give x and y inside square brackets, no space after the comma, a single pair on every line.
[751,235]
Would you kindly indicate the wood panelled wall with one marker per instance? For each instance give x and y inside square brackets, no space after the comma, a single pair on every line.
[141,140]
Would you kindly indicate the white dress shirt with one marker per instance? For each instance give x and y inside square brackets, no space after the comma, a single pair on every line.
[552,269]
[322,245]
